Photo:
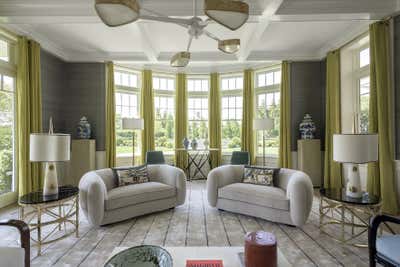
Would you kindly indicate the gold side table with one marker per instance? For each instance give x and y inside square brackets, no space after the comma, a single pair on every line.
[352,214]
[55,212]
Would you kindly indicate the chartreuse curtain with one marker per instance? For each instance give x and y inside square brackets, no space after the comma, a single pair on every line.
[381,176]
[214,119]
[332,170]
[248,113]
[110,116]
[147,112]
[29,113]
[180,119]
[285,157]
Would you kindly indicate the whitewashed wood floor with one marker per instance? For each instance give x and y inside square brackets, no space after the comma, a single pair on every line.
[193,224]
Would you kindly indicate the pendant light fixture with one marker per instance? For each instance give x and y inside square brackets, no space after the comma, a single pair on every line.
[229,13]
[117,12]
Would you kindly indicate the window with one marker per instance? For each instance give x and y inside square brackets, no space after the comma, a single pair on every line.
[362,81]
[127,99]
[198,88]
[267,91]
[4,51]
[232,109]
[164,104]
[7,100]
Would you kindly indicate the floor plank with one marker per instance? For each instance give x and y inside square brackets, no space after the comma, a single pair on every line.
[193,224]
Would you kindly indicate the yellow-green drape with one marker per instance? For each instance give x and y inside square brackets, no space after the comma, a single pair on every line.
[180,119]
[248,113]
[29,113]
[381,176]
[332,170]
[110,116]
[147,112]
[214,119]
[285,156]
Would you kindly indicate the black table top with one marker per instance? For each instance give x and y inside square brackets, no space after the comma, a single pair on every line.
[38,198]
[340,195]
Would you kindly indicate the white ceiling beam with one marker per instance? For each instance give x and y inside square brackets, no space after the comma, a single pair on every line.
[251,40]
[146,42]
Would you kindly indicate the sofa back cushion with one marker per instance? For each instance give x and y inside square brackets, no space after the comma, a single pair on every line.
[260,175]
[131,175]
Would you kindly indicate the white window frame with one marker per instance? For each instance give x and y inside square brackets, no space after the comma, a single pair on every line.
[9,68]
[165,93]
[264,90]
[201,95]
[133,91]
[227,93]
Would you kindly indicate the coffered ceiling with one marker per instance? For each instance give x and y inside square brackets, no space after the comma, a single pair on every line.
[276,30]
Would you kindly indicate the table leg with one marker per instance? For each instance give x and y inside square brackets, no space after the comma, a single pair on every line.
[188,166]
[77,216]
[343,221]
[320,212]
[21,213]
[39,230]
[352,223]
[61,216]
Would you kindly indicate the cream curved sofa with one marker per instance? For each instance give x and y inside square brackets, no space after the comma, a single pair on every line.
[289,202]
[103,202]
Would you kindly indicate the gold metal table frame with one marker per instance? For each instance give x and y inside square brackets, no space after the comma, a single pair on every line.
[357,221]
[68,213]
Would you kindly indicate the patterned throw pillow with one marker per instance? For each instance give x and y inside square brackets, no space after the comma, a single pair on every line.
[259,175]
[131,175]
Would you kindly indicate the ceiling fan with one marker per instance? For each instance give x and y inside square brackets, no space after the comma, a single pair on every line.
[229,13]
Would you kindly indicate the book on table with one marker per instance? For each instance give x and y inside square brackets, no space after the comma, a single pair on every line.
[204,263]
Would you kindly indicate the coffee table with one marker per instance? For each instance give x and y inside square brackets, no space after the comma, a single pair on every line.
[229,255]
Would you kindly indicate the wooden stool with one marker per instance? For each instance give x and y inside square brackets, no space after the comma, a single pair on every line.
[260,249]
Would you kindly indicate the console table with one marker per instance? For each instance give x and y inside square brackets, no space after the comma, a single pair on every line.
[197,158]
[355,213]
[54,210]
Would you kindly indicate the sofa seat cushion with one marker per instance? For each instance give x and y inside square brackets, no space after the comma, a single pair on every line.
[388,247]
[267,196]
[138,193]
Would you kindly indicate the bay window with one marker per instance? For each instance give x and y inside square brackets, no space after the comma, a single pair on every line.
[198,88]
[231,112]
[164,105]
[267,93]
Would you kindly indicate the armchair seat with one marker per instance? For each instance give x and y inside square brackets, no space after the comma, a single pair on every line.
[388,248]
[266,196]
[138,193]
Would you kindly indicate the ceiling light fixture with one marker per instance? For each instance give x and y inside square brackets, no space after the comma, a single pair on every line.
[229,46]
[229,13]
[117,12]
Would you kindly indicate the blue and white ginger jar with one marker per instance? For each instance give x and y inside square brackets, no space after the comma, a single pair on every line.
[307,127]
[83,130]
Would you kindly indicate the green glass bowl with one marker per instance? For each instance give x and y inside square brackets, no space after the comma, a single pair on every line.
[141,256]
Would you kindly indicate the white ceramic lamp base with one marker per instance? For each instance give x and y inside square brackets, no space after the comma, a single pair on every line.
[353,187]
[50,186]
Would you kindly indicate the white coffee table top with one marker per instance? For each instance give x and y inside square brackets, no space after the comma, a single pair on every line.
[229,255]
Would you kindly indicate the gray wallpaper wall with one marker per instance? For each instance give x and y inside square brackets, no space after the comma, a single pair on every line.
[73,90]
[307,96]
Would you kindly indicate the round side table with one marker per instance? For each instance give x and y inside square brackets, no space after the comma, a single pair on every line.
[55,210]
[352,214]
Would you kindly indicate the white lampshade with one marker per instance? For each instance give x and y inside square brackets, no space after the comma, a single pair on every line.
[49,147]
[231,14]
[263,124]
[355,148]
[132,124]
[117,12]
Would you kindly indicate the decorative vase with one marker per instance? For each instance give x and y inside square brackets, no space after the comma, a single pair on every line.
[83,130]
[194,144]
[206,143]
[185,143]
[307,127]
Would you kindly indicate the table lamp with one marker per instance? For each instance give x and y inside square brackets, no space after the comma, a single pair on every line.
[132,124]
[50,148]
[355,149]
[263,125]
